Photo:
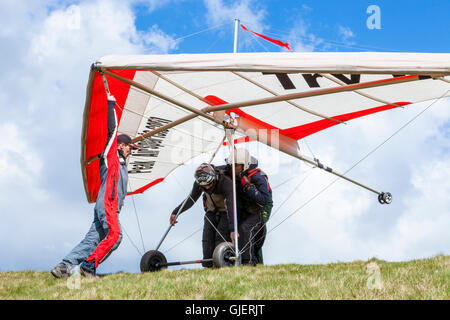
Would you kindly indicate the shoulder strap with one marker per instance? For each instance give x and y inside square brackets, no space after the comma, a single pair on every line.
[255,170]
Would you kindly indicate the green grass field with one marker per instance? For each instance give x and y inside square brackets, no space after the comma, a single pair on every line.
[374,279]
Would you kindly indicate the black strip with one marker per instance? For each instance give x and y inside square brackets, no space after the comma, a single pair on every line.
[354,78]
[284,80]
[311,79]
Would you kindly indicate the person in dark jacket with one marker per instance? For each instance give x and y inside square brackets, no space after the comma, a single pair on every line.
[217,190]
[254,196]
[104,235]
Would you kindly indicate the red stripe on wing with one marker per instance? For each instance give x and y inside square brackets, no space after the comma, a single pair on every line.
[147,186]
[97,130]
[305,130]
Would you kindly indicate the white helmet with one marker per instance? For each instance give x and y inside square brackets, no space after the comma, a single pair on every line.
[241,156]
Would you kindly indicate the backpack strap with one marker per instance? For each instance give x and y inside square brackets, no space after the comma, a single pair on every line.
[255,170]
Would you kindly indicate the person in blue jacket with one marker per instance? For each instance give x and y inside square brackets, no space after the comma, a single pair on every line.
[104,235]
[255,196]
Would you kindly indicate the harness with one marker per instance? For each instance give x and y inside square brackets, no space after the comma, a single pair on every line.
[267,208]
[255,170]
[214,201]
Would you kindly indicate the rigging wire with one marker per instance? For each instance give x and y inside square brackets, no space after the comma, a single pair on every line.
[294,190]
[254,37]
[332,42]
[212,45]
[284,33]
[201,31]
[178,243]
[138,223]
[279,207]
[307,145]
[362,159]
[135,213]
[132,242]
[284,182]
[335,180]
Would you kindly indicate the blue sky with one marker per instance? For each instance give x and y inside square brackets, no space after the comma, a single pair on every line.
[48,47]
[406,25]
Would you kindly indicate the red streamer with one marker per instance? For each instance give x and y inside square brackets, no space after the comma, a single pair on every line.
[277,42]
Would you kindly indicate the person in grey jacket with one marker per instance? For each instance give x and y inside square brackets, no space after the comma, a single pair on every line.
[104,235]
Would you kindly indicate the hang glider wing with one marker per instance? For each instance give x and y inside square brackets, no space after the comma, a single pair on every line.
[173,105]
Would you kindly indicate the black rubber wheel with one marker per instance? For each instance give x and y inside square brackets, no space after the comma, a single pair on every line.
[152,261]
[222,254]
[385,198]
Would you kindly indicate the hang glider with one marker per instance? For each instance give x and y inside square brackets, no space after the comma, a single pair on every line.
[173,106]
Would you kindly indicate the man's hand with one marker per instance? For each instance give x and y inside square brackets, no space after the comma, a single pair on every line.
[110,96]
[173,219]
[232,237]
[245,183]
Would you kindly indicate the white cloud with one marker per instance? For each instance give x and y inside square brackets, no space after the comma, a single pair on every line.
[250,15]
[157,39]
[93,29]
[20,167]
[302,41]
[254,18]
[345,32]
[218,12]
[153,5]
[421,229]
[300,37]
[48,54]
[49,48]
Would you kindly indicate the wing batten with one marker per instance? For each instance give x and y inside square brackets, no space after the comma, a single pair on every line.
[313,93]
[290,102]
[359,92]
[314,127]
[443,79]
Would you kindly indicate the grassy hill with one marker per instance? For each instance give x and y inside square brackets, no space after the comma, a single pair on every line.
[374,279]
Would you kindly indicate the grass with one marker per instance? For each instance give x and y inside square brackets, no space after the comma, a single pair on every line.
[373,279]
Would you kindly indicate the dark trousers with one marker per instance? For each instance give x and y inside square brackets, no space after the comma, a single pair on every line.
[252,234]
[213,222]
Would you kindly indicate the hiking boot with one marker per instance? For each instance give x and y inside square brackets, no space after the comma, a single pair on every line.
[87,269]
[87,273]
[60,271]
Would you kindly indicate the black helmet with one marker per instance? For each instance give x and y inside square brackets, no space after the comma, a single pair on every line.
[205,175]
